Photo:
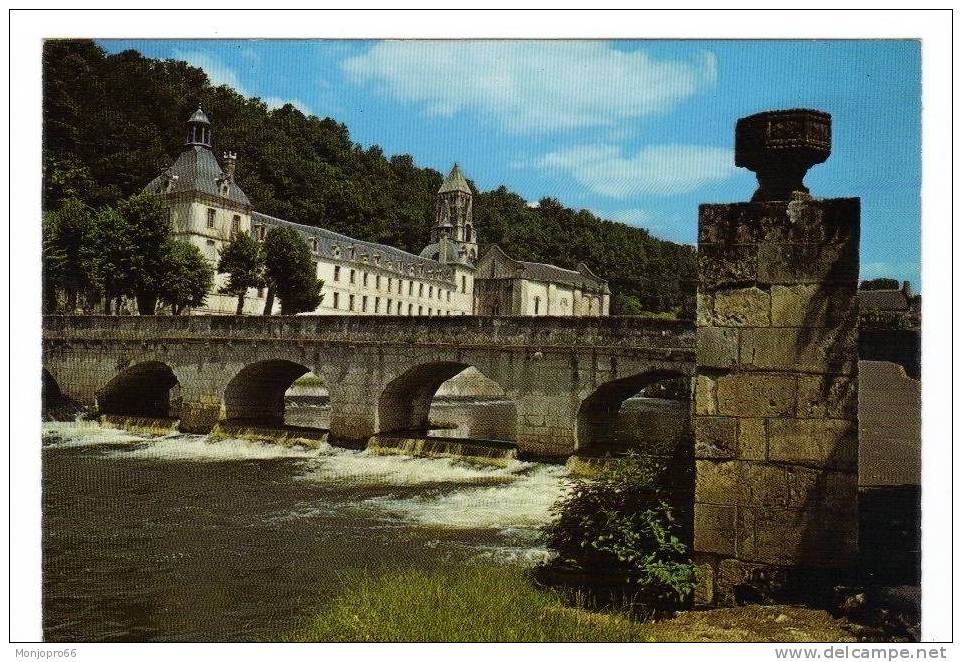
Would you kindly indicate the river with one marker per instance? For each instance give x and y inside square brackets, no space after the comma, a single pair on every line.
[181,539]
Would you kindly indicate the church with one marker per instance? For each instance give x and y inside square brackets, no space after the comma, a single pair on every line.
[208,208]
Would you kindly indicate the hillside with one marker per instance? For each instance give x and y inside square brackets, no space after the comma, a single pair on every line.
[112,122]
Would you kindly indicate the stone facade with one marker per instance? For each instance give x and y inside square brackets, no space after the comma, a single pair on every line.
[506,286]
[776,389]
[208,208]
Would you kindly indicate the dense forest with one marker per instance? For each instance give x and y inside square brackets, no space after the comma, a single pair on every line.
[113,122]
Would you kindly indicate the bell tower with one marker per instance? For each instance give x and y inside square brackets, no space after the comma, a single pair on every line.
[454,223]
[198,130]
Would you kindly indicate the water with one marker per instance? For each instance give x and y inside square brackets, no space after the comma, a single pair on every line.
[176,538]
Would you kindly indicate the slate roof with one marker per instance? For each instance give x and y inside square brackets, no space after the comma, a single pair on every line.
[549,273]
[391,258]
[455,181]
[196,169]
[870,300]
[199,116]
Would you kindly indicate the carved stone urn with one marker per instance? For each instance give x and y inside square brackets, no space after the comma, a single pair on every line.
[779,146]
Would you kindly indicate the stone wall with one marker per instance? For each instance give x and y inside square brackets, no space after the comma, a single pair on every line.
[775,406]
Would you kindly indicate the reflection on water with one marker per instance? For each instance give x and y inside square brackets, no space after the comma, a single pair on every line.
[178,538]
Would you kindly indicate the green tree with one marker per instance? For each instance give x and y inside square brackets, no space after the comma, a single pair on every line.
[291,272]
[148,223]
[108,256]
[243,259]
[187,276]
[66,238]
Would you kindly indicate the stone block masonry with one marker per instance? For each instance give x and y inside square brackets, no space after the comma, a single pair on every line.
[775,406]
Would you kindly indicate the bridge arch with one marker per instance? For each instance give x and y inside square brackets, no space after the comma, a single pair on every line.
[256,392]
[146,389]
[598,412]
[405,402]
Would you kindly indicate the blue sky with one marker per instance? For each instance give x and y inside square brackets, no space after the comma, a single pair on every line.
[635,131]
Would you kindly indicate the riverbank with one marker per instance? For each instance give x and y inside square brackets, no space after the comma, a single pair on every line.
[500,604]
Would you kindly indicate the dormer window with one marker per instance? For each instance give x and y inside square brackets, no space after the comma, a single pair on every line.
[337,252]
[377,258]
[314,245]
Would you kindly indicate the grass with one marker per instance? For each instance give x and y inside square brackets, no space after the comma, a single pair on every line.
[469,604]
[500,604]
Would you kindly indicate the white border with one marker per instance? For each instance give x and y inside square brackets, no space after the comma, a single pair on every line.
[28,28]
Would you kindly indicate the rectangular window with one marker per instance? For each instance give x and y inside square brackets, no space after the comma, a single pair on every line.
[430,291]
[388,311]
[260,292]
[400,284]
[429,312]
[261,232]
[410,308]
[464,284]
[389,281]
[350,302]
[334,301]
[211,215]
[337,272]
[364,279]
[420,310]
[377,305]
[352,276]
[235,225]
[420,289]
[410,287]
[377,282]
[364,304]
[537,304]
[449,296]
[314,244]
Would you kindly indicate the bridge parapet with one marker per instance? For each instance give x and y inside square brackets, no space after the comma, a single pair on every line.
[543,333]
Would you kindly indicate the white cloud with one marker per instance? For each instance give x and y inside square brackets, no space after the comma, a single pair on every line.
[217,71]
[665,226]
[278,102]
[531,85]
[655,170]
[220,73]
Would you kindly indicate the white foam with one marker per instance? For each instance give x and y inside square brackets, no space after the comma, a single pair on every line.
[173,446]
[365,468]
[78,434]
[202,449]
[522,504]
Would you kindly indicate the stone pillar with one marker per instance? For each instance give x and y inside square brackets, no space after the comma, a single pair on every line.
[775,410]
[546,424]
[199,416]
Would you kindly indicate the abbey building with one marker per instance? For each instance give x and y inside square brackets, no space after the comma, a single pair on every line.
[361,278]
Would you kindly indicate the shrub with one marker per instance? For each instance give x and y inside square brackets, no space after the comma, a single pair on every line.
[619,527]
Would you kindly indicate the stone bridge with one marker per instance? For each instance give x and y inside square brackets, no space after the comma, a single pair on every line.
[381,372]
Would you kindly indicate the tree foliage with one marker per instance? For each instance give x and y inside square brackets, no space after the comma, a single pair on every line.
[621,524]
[243,260]
[291,271]
[148,229]
[187,276]
[113,122]
[66,231]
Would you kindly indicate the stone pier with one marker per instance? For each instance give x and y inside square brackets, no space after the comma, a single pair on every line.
[776,386]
